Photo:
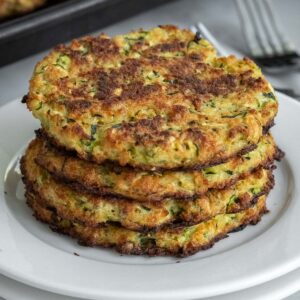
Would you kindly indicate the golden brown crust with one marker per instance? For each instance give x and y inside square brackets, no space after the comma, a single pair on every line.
[146,186]
[179,242]
[150,99]
[41,133]
[92,210]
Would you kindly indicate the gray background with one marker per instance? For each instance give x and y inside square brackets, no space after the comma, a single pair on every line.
[218,15]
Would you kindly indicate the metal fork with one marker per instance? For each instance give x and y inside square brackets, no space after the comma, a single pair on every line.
[267,44]
[202,31]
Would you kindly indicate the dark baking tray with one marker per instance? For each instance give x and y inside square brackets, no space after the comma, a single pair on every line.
[62,21]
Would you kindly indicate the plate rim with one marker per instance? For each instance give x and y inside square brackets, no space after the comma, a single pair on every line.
[272,273]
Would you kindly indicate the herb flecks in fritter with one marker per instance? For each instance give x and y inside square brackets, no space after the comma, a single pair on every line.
[108,179]
[92,210]
[155,99]
[181,242]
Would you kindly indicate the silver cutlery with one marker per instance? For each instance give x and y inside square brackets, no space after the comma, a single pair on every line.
[267,44]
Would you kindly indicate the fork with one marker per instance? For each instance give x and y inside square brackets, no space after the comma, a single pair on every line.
[268,46]
[202,31]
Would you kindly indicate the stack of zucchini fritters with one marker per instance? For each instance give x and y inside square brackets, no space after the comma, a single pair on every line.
[150,142]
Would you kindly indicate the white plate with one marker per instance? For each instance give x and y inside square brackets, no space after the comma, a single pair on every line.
[276,289]
[31,253]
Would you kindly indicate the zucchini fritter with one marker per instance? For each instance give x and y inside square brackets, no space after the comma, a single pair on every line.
[108,179]
[181,242]
[155,99]
[11,8]
[91,210]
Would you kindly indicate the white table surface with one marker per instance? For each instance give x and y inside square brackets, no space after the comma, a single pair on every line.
[218,15]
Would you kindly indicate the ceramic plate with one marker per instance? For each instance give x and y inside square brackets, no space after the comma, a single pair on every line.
[31,253]
[276,289]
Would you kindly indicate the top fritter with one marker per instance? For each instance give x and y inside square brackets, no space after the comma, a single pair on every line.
[151,99]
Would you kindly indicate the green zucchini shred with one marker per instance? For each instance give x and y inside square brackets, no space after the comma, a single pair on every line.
[63,62]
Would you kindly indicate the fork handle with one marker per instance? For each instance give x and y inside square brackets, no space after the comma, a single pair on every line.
[200,27]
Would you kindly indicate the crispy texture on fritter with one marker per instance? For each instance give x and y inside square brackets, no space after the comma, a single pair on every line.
[181,242]
[10,8]
[150,99]
[92,210]
[108,179]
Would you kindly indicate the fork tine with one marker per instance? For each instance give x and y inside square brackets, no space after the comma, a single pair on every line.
[258,28]
[200,27]
[286,45]
[248,30]
[263,14]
